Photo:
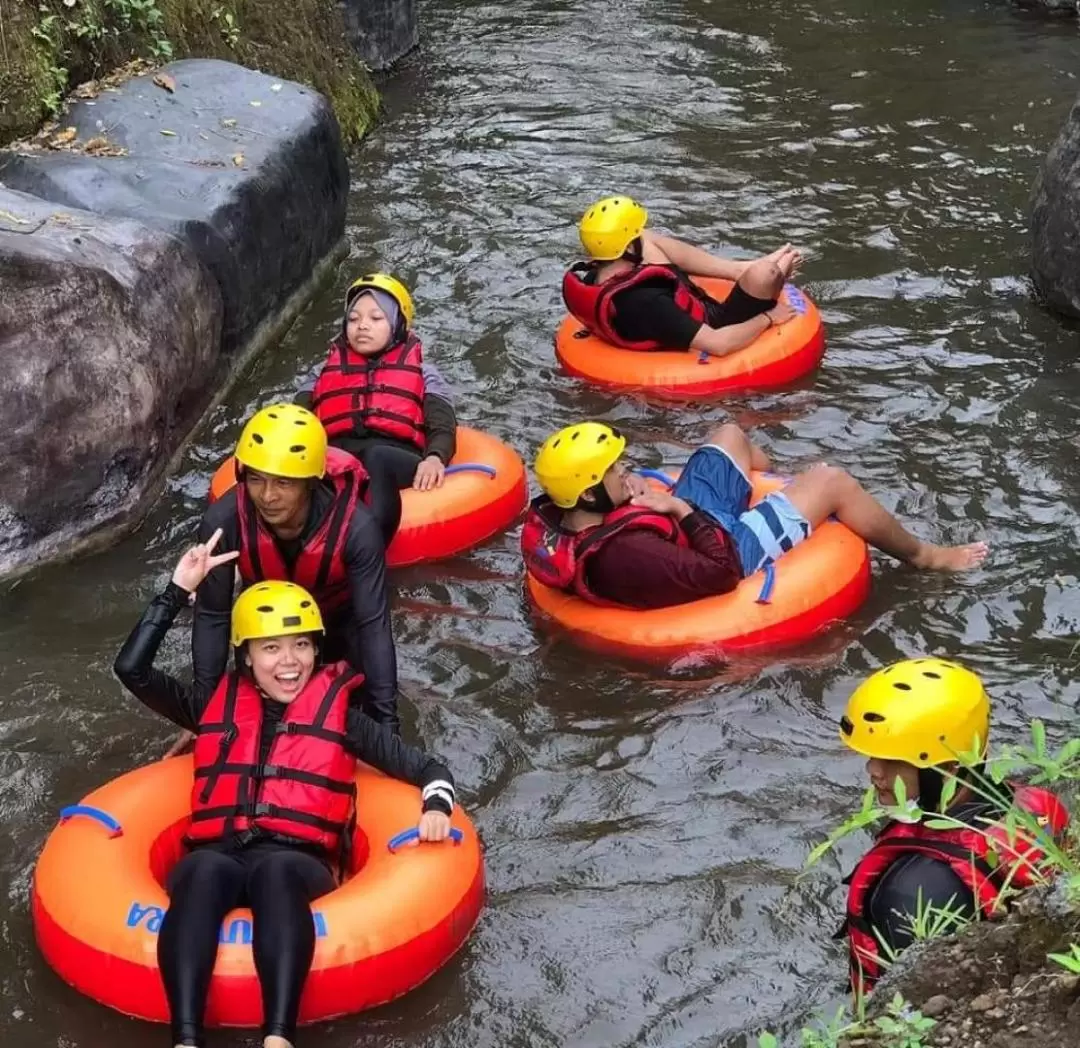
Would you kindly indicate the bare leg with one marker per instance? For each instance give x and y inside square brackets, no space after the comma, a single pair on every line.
[763,279]
[826,491]
[182,744]
[737,444]
[276,1042]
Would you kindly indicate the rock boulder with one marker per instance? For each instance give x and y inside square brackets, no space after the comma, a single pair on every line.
[109,341]
[1055,221]
[381,31]
[249,170]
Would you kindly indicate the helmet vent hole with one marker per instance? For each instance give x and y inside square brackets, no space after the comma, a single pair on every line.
[873,718]
[931,674]
[305,603]
[901,686]
[256,439]
[846,726]
[923,756]
[265,608]
[272,414]
[297,448]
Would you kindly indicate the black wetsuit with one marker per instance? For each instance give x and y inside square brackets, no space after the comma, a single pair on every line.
[277,879]
[360,632]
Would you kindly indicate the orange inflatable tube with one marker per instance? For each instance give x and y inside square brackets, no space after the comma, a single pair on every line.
[484,492]
[98,901]
[817,583]
[775,358]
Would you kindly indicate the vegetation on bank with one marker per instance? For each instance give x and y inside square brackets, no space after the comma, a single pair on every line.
[48,47]
[896,1023]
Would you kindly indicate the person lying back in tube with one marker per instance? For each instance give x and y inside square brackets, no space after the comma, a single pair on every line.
[381,401]
[635,291]
[600,532]
[914,721]
[265,831]
[294,517]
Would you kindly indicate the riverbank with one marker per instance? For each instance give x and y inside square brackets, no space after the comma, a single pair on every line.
[50,48]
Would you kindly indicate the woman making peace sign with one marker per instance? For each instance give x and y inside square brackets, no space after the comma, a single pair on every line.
[266,831]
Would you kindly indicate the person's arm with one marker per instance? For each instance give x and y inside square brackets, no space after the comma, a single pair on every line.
[719,342]
[371,639]
[213,601]
[134,665]
[435,383]
[440,428]
[377,745]
[692,259]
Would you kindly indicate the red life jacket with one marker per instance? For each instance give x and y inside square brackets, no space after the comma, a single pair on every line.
[320,565]
[982,858]
[559,558]
[305,791]
[594,305]
[382,394]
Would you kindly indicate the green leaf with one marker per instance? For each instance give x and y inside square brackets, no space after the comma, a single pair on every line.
[767,1040]
[1038,737]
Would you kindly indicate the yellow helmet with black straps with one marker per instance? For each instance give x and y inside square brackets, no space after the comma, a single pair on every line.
[576,458]
[274,609]
[923,711]
[391,285]
[283,440]
[610,226]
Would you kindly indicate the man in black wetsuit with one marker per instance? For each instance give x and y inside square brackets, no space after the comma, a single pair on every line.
[291,520]
[920,722]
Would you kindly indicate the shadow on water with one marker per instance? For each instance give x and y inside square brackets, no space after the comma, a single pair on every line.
[644,834]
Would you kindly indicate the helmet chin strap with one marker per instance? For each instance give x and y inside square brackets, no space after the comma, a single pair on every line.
[601,502]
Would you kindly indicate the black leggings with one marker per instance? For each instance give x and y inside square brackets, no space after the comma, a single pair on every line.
[278,883]
[391,468]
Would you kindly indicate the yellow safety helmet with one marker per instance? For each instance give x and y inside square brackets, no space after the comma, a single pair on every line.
[922,711]
[610,226]
[274,609]
[574,459]
[392,286]
[284,440]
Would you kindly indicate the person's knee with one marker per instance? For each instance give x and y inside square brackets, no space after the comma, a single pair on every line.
[728,436]
[834,480]
[199,872]
[762,279]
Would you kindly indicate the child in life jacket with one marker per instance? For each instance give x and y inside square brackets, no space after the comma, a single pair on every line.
[913,720]
[381,401]
[635,291]
[599,532]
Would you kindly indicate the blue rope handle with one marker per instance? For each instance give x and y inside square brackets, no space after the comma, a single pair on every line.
[413,834]
[471,467]
[765,593]
[656,474]
[93,813]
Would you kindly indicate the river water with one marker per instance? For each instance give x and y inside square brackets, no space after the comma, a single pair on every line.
[645,831]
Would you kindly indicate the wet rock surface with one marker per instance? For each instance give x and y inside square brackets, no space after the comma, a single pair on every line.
[381,31]
[109,333]
[174,221]
[1055,221]
[249,170]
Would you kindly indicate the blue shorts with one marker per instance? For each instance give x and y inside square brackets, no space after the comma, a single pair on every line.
[714,484]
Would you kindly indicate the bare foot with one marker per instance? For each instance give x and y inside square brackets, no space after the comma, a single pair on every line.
[276,1042]
[950,558]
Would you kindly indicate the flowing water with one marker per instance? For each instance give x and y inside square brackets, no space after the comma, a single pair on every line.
[645,831]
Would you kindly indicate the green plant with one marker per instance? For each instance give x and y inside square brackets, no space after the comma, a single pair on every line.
[228,26]
[1069,961]
[902,1026]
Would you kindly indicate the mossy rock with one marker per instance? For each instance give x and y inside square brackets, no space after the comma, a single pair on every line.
[48,47]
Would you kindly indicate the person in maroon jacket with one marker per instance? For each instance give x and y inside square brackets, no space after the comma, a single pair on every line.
[600,532]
